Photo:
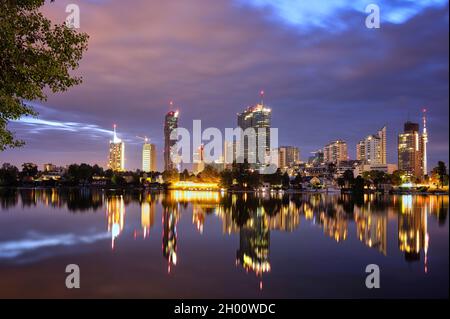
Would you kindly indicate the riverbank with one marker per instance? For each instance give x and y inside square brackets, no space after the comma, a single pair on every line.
[232,191]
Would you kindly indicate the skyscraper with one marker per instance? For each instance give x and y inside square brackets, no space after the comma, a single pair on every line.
[372,149]
[409,150]
[258,118]
[288,156]
[335,152]
[149,157]
[170,124]
[412,149]
[116,160]
[199,160]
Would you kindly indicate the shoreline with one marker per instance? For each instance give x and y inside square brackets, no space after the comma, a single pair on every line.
[289,191]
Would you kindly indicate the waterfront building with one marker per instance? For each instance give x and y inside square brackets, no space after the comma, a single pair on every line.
[372,149]
[288,156]
[258,118]
[149,157]
[335,152]
[170,124]
[116,160]
[199,160]
[412,150]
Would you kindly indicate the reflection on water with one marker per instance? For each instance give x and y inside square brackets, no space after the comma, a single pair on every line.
[252,218]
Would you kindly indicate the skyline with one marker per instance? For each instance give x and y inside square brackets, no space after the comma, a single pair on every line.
[322,84]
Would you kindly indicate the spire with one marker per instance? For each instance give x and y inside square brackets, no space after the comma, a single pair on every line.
[262,97]
[425,142]
[424,118]
[115,138]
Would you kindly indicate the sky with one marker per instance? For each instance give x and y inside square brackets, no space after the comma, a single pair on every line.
[326,76]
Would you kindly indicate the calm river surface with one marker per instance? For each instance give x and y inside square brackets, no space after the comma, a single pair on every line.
[214,245]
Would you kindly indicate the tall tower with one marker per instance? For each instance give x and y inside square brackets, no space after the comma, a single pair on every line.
[372,149]
[116,160]
[199,160]
[258,118]
[410,150]
[424,143]
[170,124]
[148,157]
[383,153]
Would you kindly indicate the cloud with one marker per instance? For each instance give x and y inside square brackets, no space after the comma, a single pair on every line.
[325,13]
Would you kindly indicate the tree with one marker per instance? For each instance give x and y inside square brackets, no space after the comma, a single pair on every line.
[29,170]
[286,181]
[440,172]
[171,176]
[396,178]
[34,55]
[226,178]
[184,176]
[348,178]
[8,174]
[209,175]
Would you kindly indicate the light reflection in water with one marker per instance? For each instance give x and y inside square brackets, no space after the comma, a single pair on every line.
[253,218]
[115,212]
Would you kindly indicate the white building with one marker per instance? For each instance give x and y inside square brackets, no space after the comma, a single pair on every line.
[372,149]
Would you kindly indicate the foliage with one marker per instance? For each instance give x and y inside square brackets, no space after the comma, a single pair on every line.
[8,175]
[34,55]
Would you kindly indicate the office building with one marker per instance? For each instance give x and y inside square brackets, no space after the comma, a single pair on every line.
[412,152]
[116,160]
[335,152]
[257,118]
[372,149]
[170,124]
[149,157]
[288,156]
[199,160]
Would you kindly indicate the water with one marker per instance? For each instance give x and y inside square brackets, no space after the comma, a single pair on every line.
[213,245]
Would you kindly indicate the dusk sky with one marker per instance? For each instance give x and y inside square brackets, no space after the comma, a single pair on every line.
[326,76]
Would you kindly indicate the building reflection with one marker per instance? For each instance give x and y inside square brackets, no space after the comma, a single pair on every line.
[254,244]
[115,212]
[413,229]
[254,217]
[148,211]
[371,229]
[170,216]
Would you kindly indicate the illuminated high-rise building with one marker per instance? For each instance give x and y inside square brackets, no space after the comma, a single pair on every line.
[335,152]
[288,156]
[424,141]
[116,161]
[170,124]
[258,118]
[149,157]
[199,160]
[372,149]
[410,150]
